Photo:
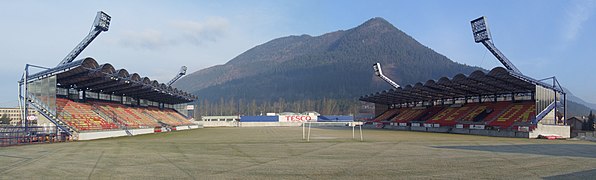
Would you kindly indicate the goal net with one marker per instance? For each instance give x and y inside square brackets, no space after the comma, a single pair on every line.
[310,130]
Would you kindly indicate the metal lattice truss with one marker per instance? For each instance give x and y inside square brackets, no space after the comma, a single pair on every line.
[497,81]
[86,74]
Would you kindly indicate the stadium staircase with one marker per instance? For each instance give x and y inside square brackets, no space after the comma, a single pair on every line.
[545,112]
[97,109]
[177,116]
[166,116]
[44,110]
[124,119]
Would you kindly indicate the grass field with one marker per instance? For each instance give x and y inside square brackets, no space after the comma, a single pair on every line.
[280,153]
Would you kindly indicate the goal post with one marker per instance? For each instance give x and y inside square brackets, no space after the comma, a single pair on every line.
[308,125]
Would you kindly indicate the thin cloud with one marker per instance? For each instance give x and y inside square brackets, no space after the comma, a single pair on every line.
[147,39]
[198,32]
[182,32]
[577,15]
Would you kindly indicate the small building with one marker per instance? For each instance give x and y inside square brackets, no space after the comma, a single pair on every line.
[221,118]
[14,114]
[576,122]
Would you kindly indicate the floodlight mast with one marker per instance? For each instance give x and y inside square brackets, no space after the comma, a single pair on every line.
[181,73]
[379,72]
[482,35]
[101,23]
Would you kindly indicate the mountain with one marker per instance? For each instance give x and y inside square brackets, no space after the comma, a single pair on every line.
[577,109]
[577,106]
[336,65]
[324,73]
[572,97]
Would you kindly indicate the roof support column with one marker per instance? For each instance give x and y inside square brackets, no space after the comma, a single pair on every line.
[555,92]
[512,97]
[564,108]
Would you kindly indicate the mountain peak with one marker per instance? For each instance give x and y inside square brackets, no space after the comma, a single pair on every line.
[377,24]
[377,21]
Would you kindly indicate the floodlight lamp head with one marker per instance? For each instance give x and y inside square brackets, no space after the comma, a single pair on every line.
[377,68]
[102,21]
[183,69]
[480,29]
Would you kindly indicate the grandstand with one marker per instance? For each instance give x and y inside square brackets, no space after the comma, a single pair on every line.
[502,102]
[86,100]
[498,100]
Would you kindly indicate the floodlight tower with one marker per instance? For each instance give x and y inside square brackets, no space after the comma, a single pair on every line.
[181,73]
[482,35]
[101,23]
[379,72]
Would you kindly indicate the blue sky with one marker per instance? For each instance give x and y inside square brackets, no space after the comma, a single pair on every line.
[154,38]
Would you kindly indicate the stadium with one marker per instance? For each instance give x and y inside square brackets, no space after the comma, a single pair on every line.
[502,102]
[85,100]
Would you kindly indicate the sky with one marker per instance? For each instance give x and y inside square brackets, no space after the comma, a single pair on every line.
[156,37]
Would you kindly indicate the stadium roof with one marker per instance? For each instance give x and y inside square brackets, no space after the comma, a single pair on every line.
[86,74]
[497,81]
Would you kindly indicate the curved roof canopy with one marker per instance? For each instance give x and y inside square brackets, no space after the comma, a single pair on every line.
[86,74]
[497,81]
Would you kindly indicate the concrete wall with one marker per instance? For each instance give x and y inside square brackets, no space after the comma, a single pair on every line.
[135,132]
[180,128]
[110,134]
[418,128]
[460,131]
[186,127]
[439,129]
[101,134]
[563,131]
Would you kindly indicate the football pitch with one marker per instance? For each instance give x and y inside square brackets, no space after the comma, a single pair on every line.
[280,153]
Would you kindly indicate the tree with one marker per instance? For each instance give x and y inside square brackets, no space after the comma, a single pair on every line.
[590,122]
[4,119]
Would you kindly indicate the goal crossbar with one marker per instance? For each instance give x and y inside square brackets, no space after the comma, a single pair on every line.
[306,131]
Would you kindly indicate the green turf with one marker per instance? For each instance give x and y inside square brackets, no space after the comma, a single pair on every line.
[280,153]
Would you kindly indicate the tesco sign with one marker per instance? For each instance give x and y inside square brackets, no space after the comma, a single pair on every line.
[296,118]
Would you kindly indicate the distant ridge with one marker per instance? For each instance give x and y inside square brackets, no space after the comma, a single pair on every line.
[333,65]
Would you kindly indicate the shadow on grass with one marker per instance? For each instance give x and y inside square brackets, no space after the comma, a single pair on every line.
[589,174]
[574,150]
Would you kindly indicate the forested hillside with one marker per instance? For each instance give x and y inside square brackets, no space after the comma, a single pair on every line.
[334,68]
